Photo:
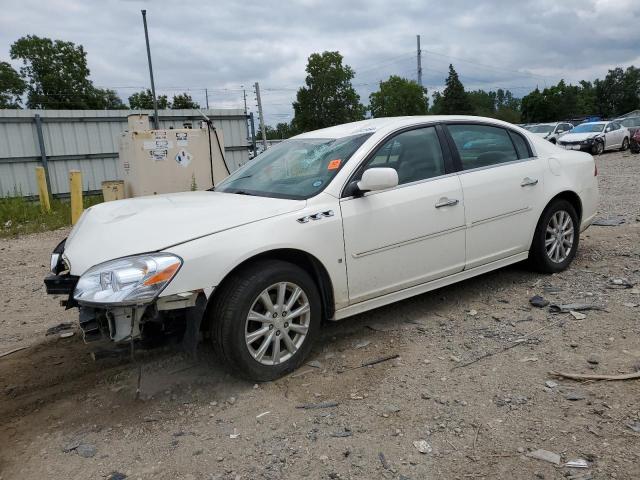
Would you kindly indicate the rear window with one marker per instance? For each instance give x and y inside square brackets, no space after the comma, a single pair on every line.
[482,145]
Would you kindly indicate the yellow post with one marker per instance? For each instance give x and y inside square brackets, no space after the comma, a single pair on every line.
[75,190]
[43,191]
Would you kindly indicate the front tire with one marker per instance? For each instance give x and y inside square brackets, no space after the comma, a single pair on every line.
[625,144]
[265,319]
[556,238]
[598,148]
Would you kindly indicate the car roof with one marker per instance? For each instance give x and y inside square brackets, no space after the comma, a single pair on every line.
[387,124]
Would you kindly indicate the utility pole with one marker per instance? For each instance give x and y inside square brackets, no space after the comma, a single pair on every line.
[419,61]
[253,134]
[153,87]
[262,129]
[206,97]
[244,95]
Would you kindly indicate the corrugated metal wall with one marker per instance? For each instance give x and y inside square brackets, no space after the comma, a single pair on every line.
[87,140]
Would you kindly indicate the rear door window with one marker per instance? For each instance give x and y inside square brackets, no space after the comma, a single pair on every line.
[484,145]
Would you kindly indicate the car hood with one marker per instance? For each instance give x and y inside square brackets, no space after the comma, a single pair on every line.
[577,137]
[146,224]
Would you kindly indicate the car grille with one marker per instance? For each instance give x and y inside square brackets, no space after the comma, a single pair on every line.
[569,143]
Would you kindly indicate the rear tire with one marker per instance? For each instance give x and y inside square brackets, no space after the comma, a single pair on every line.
[625,144]
[253,330]
[556,238]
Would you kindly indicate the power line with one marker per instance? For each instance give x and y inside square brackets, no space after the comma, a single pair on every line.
[484,65]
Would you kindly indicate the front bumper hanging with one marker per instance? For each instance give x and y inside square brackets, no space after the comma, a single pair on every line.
[60,284]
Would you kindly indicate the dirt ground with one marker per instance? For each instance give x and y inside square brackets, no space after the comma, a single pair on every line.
[64,415]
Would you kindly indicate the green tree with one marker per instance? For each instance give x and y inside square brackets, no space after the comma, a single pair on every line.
[500,104]
[398,96]
[328,97]
[144,101]
[56,73]
[586,97]
[183,101]
[283,130]
[455,101]
[484,103]
[104,99]
[436,104]
[12,87]
[619,92]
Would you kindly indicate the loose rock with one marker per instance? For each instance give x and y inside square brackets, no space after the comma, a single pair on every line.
[575,396]
[545,456]
[422,446]
[538,301]
[86,450]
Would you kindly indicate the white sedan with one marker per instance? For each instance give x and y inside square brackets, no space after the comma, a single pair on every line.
[551,131]
[596,137]
[324,226]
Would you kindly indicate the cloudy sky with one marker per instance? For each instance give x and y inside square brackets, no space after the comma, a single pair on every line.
[222,46]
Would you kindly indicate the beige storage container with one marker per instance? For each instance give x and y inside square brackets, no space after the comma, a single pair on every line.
[112,190]
[167,161]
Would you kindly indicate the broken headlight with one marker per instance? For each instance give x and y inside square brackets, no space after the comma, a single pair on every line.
[127,281]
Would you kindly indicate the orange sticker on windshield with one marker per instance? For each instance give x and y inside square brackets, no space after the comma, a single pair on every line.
[334,164]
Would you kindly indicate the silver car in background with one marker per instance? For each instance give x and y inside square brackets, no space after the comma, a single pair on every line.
[550,131]
[596,137]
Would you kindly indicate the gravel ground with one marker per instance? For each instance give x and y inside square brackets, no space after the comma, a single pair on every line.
[63,415]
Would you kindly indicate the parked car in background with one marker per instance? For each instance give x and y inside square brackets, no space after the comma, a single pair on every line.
[550,131]
[635,142]
[596,137]
[324,226]
[632,124]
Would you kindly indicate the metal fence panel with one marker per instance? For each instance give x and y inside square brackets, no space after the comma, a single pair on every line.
[87,140]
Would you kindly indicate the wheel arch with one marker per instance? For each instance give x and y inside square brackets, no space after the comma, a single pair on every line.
[573,198]
[300,258]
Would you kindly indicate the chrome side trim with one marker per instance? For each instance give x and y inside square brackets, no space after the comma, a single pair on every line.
[407,242]
[316,216]
[502,215]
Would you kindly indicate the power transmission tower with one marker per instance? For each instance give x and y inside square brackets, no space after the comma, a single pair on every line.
[262,129]
[419,61]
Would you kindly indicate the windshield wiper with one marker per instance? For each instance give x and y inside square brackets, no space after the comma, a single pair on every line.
[242,192]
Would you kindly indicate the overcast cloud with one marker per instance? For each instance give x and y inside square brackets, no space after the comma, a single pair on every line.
[223,45]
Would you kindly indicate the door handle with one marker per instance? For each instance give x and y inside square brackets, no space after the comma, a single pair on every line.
[447,202]
[526,182]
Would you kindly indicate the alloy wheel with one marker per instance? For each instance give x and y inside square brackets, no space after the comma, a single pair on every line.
[277,323]
[598,148]
[559,236]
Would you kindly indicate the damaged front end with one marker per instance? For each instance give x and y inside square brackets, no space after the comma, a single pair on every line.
[118,300]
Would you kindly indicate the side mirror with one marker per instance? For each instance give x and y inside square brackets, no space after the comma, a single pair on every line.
[375,179]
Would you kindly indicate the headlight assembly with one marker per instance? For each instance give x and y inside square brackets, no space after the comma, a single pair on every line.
[127,281]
